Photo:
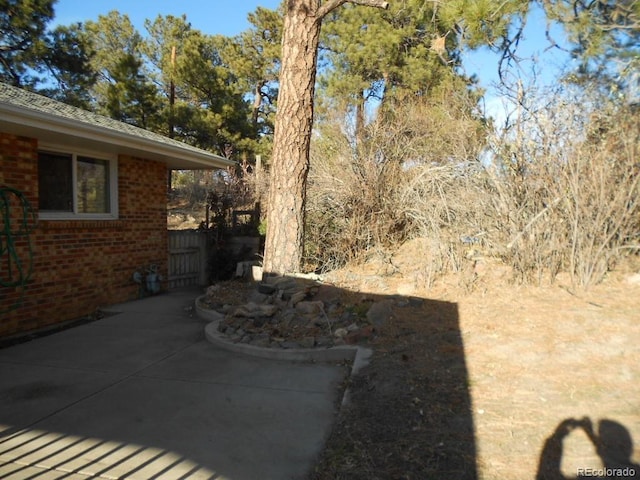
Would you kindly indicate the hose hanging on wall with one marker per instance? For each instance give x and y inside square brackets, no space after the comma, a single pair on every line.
[15,228]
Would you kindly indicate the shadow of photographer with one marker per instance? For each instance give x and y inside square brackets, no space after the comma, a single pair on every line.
[612,442]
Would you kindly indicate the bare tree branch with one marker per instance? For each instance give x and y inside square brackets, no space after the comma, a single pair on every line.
[331,5]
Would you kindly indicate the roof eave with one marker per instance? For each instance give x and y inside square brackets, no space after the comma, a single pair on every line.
[173,155]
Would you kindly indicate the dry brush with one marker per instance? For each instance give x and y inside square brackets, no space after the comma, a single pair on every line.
[558,194]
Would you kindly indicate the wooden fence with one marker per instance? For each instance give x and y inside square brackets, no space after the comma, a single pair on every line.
[189,252]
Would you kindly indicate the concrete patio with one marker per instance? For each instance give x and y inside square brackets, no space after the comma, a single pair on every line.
[143,395]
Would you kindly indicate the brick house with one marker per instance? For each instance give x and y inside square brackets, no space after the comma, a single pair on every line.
[97,192]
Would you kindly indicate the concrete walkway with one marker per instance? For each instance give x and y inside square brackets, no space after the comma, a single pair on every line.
[143,395]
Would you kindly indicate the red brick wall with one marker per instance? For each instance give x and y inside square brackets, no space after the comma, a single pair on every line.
[81,265]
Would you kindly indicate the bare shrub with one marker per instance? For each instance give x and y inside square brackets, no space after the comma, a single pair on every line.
[448,205]
[572,202]
[351,206]
[246,184]
[356,201]
[601,209]
[558,193]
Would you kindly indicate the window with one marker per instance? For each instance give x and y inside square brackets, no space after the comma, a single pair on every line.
[93,185]
[55,182]
[76,186]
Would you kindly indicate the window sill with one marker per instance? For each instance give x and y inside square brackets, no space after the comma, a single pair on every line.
[75,217]
[79,223]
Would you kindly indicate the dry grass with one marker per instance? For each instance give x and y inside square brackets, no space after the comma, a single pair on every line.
[539,356]
[525,358]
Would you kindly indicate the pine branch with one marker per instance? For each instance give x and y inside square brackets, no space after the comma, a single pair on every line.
[331,5]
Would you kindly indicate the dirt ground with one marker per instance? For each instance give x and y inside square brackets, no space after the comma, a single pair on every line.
[480,378]
[473,382]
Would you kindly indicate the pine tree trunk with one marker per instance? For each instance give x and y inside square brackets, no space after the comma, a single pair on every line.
[257,102]
[290,158]
[292,136]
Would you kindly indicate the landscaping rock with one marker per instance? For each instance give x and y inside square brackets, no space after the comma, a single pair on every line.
[351,339]
[363,334]
[266,289]
[281,312]
[380,312]
[406,289]
[261,340]
[257,297]
[402,301]
[281,283]
[332,309]
[244,269]
[255,310]
[416,301]
[340,333]
[297,297]
[298,321]
[226,309]
[313,307]
[259,322]
[346,317]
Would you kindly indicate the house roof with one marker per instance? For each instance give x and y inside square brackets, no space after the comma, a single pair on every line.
[29,114]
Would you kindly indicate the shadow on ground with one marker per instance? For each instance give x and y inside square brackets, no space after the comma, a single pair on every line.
[142,395]
[611,442]
[409,415]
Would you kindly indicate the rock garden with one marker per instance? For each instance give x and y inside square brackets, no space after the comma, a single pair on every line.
[294,313]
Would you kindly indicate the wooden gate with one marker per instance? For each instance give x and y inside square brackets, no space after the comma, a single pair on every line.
[188,255]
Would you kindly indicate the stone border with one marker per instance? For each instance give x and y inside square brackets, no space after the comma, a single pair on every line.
[206,313]
[358,355]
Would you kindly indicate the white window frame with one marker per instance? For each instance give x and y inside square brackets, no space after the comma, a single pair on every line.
[113,183]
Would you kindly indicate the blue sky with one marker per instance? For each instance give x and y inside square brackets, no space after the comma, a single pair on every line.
[210,16]
[533,49]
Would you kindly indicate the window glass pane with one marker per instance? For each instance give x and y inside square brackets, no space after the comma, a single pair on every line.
[93,185]
[55,187]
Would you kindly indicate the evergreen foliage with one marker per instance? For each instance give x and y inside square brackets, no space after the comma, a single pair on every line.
[23,27]
[32,57]
[220,93]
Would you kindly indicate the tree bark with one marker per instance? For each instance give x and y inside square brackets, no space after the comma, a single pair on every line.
[257,102]
[292,136]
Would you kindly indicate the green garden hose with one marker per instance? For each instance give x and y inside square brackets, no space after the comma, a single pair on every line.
[14,234]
